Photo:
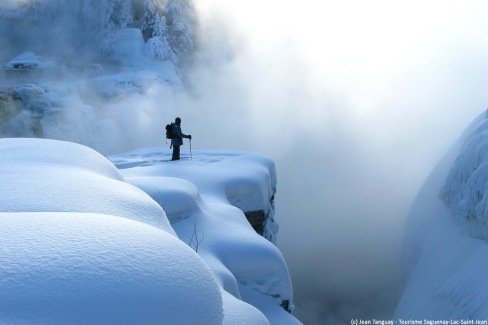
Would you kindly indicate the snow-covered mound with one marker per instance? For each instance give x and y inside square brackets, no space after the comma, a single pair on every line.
[83,268]
[446,255]
[80,245]
[205,196]
[54,176]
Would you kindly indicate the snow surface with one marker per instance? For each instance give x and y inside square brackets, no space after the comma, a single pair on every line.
[446,254]
[80,244]
[84,268]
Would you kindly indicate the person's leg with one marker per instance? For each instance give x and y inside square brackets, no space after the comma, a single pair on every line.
[176,153]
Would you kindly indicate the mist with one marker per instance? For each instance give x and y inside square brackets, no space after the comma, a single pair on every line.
[355,102]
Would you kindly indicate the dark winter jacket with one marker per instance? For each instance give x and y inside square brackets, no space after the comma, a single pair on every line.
[178,141]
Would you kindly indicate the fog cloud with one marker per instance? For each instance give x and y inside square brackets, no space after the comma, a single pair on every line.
[356,102]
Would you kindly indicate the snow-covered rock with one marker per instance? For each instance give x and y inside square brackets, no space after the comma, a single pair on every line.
[205,196]
[445,247]
[28,60]
[79,244]
[242,179]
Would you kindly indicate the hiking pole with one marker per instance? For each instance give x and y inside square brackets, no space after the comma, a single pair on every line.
[191,156]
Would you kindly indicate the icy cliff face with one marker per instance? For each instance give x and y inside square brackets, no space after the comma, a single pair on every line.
[465,191]
[445,247]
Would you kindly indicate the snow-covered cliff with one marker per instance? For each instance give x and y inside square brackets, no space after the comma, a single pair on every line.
[446,254]
[80,244]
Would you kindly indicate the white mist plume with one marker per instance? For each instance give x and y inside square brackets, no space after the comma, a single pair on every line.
[356,102]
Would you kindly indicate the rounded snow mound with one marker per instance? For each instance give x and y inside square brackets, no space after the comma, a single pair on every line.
[41,175]
[72,268]
[46,153]
[179,198]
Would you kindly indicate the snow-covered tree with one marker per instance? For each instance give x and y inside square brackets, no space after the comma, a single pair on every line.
[116,14]
[158,47]
[155,29]
[181,22]
[153,11]
[169,26]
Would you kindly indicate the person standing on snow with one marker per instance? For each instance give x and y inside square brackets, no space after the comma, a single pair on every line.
[177,141]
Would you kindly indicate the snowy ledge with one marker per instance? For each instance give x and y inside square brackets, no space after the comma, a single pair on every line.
[79,243]
[245,180]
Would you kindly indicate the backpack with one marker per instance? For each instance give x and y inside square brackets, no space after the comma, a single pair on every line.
[170,132]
